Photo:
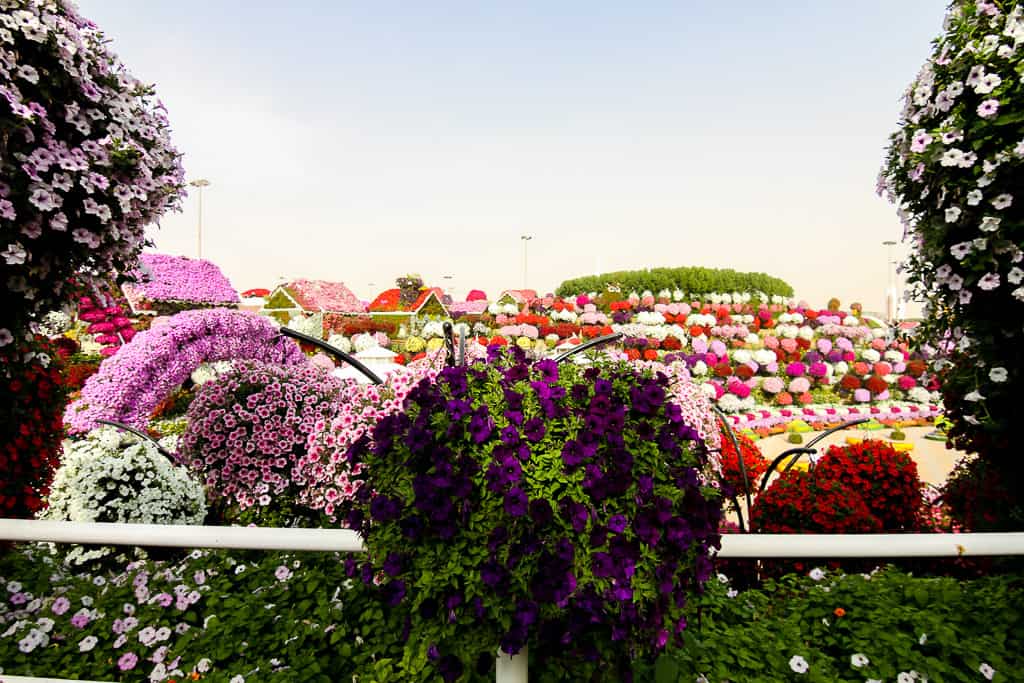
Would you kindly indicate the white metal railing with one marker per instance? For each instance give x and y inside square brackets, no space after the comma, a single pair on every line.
[509,669]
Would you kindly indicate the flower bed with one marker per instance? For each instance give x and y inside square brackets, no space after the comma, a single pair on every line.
[166,284]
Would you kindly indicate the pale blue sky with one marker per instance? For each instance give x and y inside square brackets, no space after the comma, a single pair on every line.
[360,141]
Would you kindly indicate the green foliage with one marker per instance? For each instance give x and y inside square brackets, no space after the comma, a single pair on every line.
[280,300]
[693,280]
[794,437]
[941,628]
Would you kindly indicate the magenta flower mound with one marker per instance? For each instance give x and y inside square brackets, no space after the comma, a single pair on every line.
[796,369]
[573,505]
[818,370]
[739,389]
[162,277]
[248,429]
[131,384]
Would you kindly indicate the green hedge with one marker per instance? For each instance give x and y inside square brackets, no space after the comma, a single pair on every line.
[690,279]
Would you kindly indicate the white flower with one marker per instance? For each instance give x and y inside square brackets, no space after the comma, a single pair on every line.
[924,636]
[859,660]
[5,336]
[987,84]
[960,251]
[989,224]
[798,664]
[953,214]
[816,574]
[1018,294]
[998,374]
[237,679]
[1015,276]
[987,671]
[974,197]
[88,643]
[988,109]
[921,140]
[14,254]
[904,677]
[965,297]
[952,157]
[1002,201]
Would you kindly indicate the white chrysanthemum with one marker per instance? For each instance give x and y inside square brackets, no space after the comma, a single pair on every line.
[340,342]
[870,355]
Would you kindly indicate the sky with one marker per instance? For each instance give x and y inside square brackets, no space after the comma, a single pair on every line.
[358,142]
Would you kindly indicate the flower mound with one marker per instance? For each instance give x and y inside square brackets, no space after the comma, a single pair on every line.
[865,488]
[130,385]
[753,461]
[248,428]
[87,159]
[112,477]
[329,481]
[177,278]
[555,506]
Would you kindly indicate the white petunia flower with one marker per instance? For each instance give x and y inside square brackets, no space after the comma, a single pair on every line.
[987,84]
[798,664]
[859,660]
[816,574]
[987,671]
[953,214]
[998,374]
[974,197]
[960,251]
[1002,201]
[989,224]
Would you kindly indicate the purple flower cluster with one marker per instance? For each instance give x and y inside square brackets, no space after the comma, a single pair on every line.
[88,161]
[131,384]
[248,429]
[162,277]
[569,502]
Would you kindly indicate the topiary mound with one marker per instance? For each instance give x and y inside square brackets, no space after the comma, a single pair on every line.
[563,508]
[694,281]
[247,432]
[753,461]
[111,476]
[862,488]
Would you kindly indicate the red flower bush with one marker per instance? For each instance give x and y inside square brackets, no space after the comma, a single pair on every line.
[31,426]
[865,488]
[753,461]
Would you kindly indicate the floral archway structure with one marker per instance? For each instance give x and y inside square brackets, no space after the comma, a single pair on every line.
[130,385]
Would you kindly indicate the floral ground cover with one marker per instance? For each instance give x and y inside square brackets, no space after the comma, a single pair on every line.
[247,616]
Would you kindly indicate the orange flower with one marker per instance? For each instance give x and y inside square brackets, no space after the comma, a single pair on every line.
[839,612]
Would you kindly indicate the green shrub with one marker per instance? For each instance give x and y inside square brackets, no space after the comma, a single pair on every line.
[694,281]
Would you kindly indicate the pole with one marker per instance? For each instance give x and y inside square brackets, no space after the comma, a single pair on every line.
[200,183]
[889,281]
[512,668]
[525,238]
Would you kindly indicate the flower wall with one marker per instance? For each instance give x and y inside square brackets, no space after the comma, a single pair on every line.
[954,170]
[165,283]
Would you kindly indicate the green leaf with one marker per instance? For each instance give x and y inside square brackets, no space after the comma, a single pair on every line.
[666,670]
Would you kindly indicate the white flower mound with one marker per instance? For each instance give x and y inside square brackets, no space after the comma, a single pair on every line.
[111,477]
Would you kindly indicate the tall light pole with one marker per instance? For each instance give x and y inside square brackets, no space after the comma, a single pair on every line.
[890,285]
[448,284]
[200,183]
[525,239]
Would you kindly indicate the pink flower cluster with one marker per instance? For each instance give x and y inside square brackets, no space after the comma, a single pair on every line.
[107,322]
[162,277]
[131,384]
[248,428]
[324,468]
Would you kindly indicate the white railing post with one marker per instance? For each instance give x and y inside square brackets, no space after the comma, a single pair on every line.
[512,668]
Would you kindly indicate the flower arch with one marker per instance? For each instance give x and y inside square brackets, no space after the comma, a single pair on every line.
[131,384]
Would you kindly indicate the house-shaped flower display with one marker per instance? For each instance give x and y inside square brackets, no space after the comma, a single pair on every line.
[309,297]
[427,305]
[166,284]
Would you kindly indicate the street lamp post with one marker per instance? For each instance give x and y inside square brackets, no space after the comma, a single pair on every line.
[447,284]
[200,183]
[890,285]
[525,239]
